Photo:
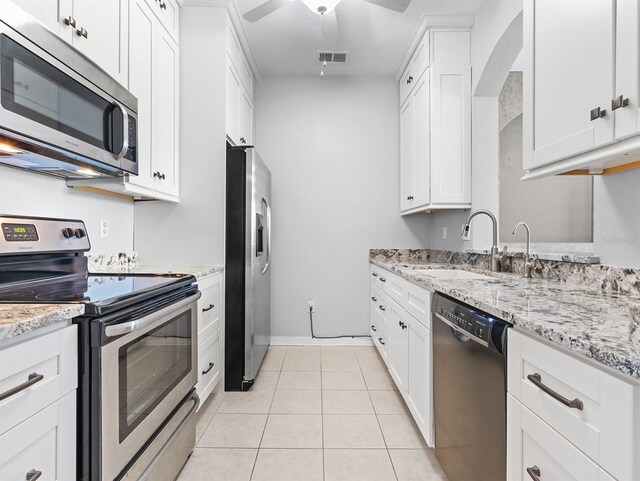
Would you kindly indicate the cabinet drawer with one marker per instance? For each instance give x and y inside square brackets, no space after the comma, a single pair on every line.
[380,335]
[50,362]
[168,12]
[209,307]
[606,429]
[418,304]
[381,302]
[209,365]
[379,277]
[534,447]
[45,442]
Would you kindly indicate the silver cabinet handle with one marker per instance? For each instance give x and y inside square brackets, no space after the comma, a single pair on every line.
[82,32]
[619,102]
[598,113]
[536,379]
[127,327]
[33,474]
[534,472]
[208,370]
[207,309]
[70,21]
[33,378]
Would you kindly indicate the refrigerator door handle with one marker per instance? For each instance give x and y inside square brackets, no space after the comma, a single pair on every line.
[268,213]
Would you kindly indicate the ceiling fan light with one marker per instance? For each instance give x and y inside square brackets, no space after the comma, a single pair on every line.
[315,5]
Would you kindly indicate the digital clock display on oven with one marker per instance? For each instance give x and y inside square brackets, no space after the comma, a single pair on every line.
[20,232]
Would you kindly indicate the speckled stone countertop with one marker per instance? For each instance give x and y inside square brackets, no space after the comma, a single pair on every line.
[198,271]
[19,319]
[592,322]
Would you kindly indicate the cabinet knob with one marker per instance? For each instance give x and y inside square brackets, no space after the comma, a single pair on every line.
[381,341]
[163,5]
[82,32]
[156,174]
[374,299]
[33,474]
[373,328]
[409,197]
[162,176]
[598,113]
[382,279]
[243,140]
[619,102]
[70,21]
[382,308]
[410,79]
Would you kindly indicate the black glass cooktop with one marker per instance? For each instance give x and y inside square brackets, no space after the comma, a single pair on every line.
[99,292]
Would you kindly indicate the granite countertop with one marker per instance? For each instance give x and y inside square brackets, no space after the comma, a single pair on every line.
[198,271]
[20,319]
[585,320]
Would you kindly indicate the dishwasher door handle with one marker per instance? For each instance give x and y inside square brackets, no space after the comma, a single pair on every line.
[536,379]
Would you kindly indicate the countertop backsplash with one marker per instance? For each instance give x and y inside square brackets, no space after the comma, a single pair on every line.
[621,280]
[115,262]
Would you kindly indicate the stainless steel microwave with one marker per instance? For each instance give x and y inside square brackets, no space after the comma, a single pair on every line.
[60,114]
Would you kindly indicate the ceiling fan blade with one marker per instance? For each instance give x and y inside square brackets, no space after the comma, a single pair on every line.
[265,9]
[396,5]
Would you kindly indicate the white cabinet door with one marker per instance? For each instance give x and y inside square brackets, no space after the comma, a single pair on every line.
[627,95]
[209,365]
[406,155]
[421,143]
[142,34]
[534,448]
[420,382]
[398,357]
[451,134]
[45,11]
[97,34]
[166,98]
[571,44]
[233,116]
[45,443]
[246,112]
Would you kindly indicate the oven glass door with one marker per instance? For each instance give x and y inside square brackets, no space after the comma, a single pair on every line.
[47,98]
[150,367]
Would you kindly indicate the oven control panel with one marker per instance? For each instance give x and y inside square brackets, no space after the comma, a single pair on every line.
[34,235]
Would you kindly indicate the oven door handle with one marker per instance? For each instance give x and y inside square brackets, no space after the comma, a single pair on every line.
[148,471]
[127,327]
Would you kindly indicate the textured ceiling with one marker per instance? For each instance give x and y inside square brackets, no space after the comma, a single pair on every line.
[286,42]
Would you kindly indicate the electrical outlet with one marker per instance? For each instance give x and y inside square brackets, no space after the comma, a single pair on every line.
[444,233]
[311,305]
[104,228]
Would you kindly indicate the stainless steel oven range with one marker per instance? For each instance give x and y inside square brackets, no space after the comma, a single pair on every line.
[137,348]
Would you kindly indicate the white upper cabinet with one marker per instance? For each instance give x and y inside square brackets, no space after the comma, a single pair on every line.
[581,87]
[91,26]
[168,12]
[239,95]
[435,124]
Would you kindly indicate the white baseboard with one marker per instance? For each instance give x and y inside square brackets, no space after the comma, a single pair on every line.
[308,341]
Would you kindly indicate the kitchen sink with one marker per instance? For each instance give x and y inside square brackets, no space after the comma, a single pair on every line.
[452,274]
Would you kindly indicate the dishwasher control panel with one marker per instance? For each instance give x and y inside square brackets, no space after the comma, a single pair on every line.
[469,321]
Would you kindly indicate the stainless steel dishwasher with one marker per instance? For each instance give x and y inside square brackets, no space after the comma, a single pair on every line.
[469,389]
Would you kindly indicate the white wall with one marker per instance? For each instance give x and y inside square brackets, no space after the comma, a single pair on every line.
[332,146]
[192,232]
[26,193]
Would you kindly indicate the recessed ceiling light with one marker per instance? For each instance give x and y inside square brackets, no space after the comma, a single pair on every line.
[321,6]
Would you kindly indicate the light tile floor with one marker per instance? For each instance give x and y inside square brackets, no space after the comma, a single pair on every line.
[314,414]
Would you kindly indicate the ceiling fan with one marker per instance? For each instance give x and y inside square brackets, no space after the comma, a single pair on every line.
[318,6]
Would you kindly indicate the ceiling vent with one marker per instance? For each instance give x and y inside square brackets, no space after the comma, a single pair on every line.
[333,57]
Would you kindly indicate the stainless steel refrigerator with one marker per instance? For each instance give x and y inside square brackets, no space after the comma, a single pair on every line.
[247,267]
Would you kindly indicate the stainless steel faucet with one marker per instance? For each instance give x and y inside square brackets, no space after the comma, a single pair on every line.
[496,256]
[528,265]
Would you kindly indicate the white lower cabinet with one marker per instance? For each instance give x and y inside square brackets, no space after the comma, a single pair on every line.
[536,451]
[38,420]
[42,447]
[400,328]
[210,335]
[568,417]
